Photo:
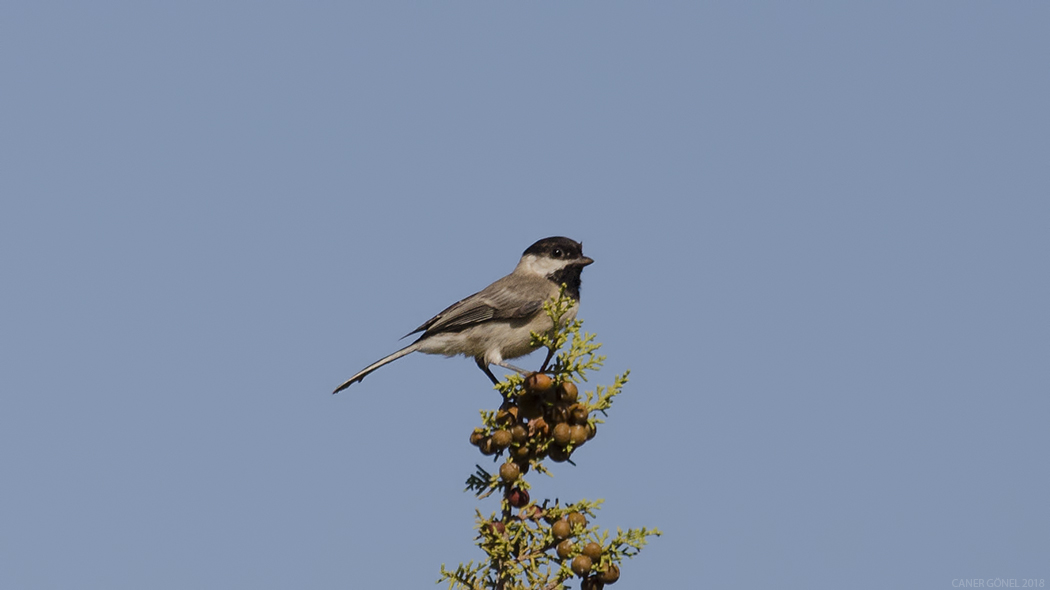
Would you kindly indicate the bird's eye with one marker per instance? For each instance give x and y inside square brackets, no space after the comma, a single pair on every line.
[556,253]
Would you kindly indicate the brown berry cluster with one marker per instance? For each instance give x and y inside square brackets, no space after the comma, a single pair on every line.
[546,419]
[568,538]
[584,557]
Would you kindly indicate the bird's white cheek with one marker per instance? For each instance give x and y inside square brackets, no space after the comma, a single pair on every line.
[539,266]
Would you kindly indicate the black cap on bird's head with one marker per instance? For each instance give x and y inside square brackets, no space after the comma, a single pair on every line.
[559,248]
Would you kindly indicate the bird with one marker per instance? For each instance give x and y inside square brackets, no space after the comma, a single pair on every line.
[496,323]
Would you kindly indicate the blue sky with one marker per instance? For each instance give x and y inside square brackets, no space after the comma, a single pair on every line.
[821,244]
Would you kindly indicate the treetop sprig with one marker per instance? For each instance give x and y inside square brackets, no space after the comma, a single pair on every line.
[529,544]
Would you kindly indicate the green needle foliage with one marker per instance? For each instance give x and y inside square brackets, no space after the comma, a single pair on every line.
[542,546]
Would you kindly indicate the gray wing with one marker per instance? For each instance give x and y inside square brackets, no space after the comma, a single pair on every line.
[508,298]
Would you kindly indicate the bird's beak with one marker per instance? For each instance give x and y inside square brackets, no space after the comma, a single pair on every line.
[584,261]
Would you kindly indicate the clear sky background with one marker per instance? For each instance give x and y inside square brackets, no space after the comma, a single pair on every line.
[821,235]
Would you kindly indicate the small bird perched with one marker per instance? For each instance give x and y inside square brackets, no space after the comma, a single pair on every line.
[497,322]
